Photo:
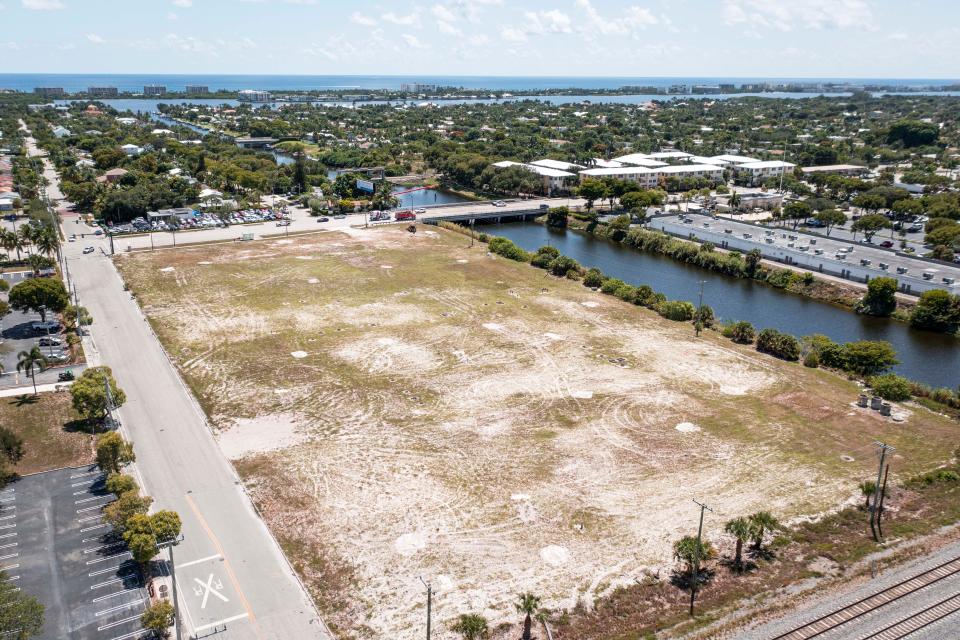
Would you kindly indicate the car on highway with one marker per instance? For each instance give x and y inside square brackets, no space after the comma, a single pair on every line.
[499,203]
[886,244]
[283,223]
[323,219]
[420,211]
[339,216]
[98,232]
[88,250]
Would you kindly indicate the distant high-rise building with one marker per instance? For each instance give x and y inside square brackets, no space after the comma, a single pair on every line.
[254,95]
[197,88]
[50,92]
[417,87]
[102,92]
[154,90]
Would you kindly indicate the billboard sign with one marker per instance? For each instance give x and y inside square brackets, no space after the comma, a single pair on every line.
[365,185]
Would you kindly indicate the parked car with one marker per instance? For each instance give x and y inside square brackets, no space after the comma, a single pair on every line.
[406,215]
[420,211]
[65,376]
[51,326]
[283,223]
[50,341]
[323,219]
[88,250]
[339,216]
[886,244]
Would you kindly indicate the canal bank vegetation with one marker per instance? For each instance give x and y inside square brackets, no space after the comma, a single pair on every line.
[865,360]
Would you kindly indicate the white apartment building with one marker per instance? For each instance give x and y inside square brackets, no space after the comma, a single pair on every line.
[254,95]
[557,164]
[553,179]
[646,177]
[639,160]
[707,171]
[756,172]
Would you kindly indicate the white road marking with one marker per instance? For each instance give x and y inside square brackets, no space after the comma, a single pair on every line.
[109,495]
[208,587]
[11,555]
[218,622]
[84,475]
[106,546]
[114,581]
[96,526]
[193,562]
[8,526]
[117,623]
[102,571]
[135,634]
[104,558]
[85,491]
[96,506]
[119,607]
[89,518]
[92,539]
[12,578]
[8,535]
[114,595]
[7,568]
[8,517]
[8,545]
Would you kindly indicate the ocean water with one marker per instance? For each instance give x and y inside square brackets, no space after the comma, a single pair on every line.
[135,82]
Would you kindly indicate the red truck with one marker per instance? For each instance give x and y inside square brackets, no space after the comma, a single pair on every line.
[406,215]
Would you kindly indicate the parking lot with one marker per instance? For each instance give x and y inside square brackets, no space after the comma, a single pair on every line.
[19,335]
[54,547]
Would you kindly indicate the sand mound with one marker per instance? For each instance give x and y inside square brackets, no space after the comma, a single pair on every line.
[687,427]
[555,556]
[298,354]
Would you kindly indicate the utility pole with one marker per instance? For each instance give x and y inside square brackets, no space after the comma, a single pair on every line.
[698,325]
[696,554]
[883,494]
[472,221]
[874,509]
[429,587]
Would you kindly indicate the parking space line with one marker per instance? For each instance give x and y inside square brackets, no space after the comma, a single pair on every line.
[11,555]
[12,578]
[135,634]
[8,517]
[218,622]
[8,545]
[96,526]
[7,526]
[12,566]
[117,623]
[92,539]
[88,481]
[102,571]
[8,535]
[114,581]
[119,607]
[193,562]
[87,490]
[89,518]
[114,595]
[107,495]
[116,555]
[84,475]
[112,545]
[85,509]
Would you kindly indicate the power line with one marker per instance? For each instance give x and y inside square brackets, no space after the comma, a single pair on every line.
[696,553]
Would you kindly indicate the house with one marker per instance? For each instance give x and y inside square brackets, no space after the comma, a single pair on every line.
[8,199]
[92,111]
[162,132]
[127,121]
[132,149]
[85,163]
[112,175]
[756,172]
[60,131]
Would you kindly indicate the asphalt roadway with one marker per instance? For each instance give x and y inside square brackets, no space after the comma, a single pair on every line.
[232,576]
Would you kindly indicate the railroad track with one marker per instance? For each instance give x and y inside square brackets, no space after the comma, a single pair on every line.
[880,599]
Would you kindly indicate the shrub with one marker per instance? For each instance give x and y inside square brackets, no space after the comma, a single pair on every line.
[780,278]
[940,475]
[610,285]
[704,316]
[811,360]
[880,298]
[677,310]
[506,248]
[780,345]
[541,260]
[869,357]
[829,353]
[890,386]
[563,265]
[936,310]
[593,278]
[741,332]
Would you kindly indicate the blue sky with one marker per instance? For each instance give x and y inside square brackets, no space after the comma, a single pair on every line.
[730,38]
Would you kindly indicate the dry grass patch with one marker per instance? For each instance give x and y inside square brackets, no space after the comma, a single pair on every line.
[483,423]
[53,435]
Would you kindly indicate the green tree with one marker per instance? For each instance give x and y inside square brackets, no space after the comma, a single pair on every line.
[121,511]
[742,332]
[158,618]
[471,626]
[936,310]
[742,530]
[113,452]
[120,483]
[867,489]
[880,298]
[592,190]
[89,393]
[46,242]
[869,357]
[753,259]
[143,547]
[890,386]
[165,525]
[29,362]
[688,551]
[77,317]
[797,211]
[762,521]
[830,218]
[870,225]
[21,615]
[557,217]
[912,133]
[529,605]
[40,295]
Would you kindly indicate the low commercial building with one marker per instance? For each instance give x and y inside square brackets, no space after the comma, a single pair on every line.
[181,213]
[754,173]
[836,169]
[154,90]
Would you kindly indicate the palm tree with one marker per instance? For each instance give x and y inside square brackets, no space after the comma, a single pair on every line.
[36,262]
[25,235]
[527,604]
[734,200]
[471,626]
[742,530]
[688,551]
[29,362]
[9,241]
[762,521]
[868,488]
[46,241]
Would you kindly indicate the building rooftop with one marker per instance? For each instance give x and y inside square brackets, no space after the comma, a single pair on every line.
[557,164]
[618,171]
[728,158]
[767,164]
[834,167]
[689,168]
[669,155]
[639,160]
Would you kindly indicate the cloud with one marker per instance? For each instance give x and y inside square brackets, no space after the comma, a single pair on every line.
[799,14]
[448,29]
[95,39]
[634,17]
[362,20]
[538,23]
[10,46]
[183,4]
[408,20]
[444,14]
[43,5]
[413,41]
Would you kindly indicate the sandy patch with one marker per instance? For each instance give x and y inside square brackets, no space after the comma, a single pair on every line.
[386,266]
[167,270]
[581,395]
[687,427]
[266,433]
[204,262]
[554,555]
[556,337]
[591,304]
[388,354]
[409,544]
[492,326]
[313,281]
[299,354]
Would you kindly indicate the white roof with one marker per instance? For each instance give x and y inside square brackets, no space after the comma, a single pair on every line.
[542,171]
[639,160]
[664,155]
[556,164]
[209,193]
[734,159]
[619,171]
[606,164]
[503,164]
[834,167]
[162,132]
[767,164]
[690,168]
[129,146]
[704,160]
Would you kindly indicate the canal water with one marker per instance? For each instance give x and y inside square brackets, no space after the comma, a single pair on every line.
[931,358]
[424,197]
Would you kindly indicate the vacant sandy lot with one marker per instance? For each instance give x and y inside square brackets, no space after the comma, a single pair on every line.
[403,406]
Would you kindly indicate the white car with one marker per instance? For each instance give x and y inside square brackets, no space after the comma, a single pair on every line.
[87,250]
[419,211]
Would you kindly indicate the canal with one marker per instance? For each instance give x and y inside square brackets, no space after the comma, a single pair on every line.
[931,358]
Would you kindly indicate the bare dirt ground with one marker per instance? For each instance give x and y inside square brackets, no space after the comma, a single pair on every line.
[402,406]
